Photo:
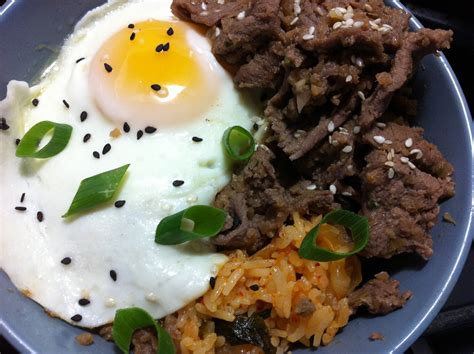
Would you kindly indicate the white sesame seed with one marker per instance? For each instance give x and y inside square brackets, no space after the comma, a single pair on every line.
[336,25]
[331,126]
[381,125]
[165,207]
[192,199]
[347,194]
[379,139]
[418,152]
[151,297]
[356,129]
[347,149]
[294,21]
[409,142]
[389,163]
[359,62]
[308,37]
[333,189]
[241,15]
[348,78]
[377,21]
[404,159]
[391,173]
[361,95]
[221,2]
[383,30]
[330,139]
[373,25]
[368,7]
[392,151]
[350,167]
[203,6]
[348,16]
[342,10]
[218,31]
[311,187]
[320,11]
[358,24]
[311,30]
[385,25]
[204,13]
[110,302]
[297,7]
[388,142]
[411,165]
[349,22]
[389,156]
[337,13]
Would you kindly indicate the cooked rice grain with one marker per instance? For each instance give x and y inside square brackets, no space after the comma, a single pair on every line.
[283,280]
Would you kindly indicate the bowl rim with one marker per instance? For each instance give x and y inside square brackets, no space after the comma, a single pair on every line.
[454,273]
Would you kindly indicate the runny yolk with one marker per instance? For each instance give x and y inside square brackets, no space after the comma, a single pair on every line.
[150,74]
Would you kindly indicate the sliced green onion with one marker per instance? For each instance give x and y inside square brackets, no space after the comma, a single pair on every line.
[127,321]
[238,143]
[96,190]
[195,222]
[28,146]
[358,225]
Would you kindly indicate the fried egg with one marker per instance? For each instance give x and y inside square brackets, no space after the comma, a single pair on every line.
[139,87]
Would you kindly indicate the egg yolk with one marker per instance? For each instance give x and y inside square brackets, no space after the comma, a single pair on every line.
[150,73]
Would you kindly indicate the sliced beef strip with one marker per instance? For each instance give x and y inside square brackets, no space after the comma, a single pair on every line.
[401,210]
[380,295]
[258,204]
[415,45]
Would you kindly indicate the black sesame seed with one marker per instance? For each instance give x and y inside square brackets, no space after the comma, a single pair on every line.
[20,208]
[86,138]
[79,60]
[155,87]
[119,203]
[159,48]
[178,183]
[132,36]
[17,142]
[254,287]
[66,103]
[113,275]
[212,282]
[197,139]
[76,318]
[40,216]
[107,67]
[170,31]
[35,102]
[255,126]
[126,127]
[106,149]
[66,260]
[22,199]
[166,46]
[84,302]
[299,276]
[139,134]
[3,124]
[96,155]
[150,130]
[131,26]
[83,116]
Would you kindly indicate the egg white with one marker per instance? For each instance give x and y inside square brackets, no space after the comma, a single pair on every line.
[160,279]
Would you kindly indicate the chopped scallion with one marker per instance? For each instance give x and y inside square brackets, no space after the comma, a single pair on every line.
[238,143]
[128,320]
[28,146]
[195,222]
[358,225]
[96,190]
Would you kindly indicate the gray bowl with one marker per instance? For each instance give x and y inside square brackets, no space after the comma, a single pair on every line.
[31,33]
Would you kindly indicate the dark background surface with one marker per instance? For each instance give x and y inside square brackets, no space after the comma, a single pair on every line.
[453,329]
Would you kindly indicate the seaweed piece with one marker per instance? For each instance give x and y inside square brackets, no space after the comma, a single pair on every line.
[252,330]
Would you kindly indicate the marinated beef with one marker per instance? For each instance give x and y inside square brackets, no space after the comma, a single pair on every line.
[380,295]
[336,72]
[258,204]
